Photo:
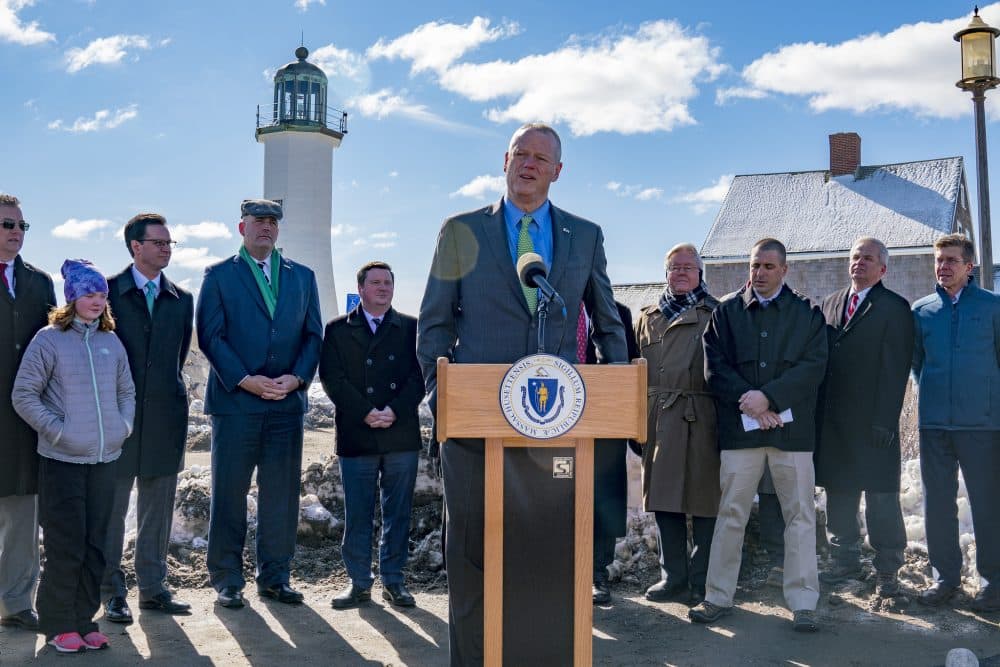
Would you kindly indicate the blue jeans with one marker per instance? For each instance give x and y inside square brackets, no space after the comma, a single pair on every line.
[272,443]
[978,454]
[394,474]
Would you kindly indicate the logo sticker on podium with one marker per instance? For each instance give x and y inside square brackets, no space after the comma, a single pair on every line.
[542,396]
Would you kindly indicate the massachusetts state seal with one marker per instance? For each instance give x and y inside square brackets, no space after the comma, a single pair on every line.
[542,396]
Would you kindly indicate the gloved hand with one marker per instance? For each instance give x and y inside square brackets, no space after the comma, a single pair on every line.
[883,438]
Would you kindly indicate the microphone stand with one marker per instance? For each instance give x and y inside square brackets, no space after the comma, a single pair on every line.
[543,314]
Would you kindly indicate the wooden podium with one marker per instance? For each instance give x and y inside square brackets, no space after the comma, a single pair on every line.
[468,407]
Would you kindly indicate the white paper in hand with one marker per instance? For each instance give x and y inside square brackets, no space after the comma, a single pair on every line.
[751,424]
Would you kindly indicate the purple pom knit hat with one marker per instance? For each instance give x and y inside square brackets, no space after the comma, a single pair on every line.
[81,278]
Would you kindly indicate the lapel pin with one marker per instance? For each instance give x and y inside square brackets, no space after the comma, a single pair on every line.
[565,230]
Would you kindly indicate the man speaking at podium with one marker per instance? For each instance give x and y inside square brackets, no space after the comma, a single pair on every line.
[475,310]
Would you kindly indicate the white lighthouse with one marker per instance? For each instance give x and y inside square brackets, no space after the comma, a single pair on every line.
[299,133]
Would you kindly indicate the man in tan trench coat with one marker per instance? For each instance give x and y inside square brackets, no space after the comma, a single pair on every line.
[680,463]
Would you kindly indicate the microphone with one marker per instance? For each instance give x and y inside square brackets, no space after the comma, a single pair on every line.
[532,272]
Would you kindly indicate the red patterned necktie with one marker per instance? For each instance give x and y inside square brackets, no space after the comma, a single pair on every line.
[851,307]
[3,275]
[581,336]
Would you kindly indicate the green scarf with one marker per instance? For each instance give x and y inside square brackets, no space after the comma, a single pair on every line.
[269,292]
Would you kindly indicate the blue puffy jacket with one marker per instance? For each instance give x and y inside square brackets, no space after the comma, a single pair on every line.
[956,360]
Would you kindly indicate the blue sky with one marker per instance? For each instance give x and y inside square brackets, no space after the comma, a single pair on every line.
[115,106]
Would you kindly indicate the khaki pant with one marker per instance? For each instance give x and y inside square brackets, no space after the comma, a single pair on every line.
[18,553]
[794,482]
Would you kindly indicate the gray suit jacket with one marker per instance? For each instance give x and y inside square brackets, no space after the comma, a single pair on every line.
[474,311]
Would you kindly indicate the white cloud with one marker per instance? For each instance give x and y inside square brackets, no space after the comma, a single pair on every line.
[79,230]
[383,235]
[343,230]
[482,187]
[340,64]
[14,30]
[707,198]
[723,95]
[206,229]
[193,258]
[104,51]
[385,103]
[435,46]
[303,5]
[913,68]
[102,120]
[626,83]
[393,174]
[635,191]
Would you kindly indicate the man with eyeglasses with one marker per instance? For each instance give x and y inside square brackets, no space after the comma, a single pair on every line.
[956,363]
[154,319]
[26,295]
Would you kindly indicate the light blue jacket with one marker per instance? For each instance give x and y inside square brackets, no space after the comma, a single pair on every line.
[956,360]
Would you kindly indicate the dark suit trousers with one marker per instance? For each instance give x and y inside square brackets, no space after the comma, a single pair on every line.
[462,463]
[272,443]
[886,531]
[74,505]
[154,517]
[978,455]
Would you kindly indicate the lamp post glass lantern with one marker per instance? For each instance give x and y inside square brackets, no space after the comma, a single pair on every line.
[978,76]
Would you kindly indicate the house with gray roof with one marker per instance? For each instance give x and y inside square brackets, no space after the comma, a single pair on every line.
[819,214]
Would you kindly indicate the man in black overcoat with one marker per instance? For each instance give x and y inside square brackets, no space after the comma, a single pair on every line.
[154,319]
[369,369]
[870,332]
[25,299]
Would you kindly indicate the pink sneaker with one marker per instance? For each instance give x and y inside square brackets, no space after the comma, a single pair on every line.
[68,642]
[95,640]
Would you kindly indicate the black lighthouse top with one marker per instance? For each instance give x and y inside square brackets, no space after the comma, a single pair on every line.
[300,101]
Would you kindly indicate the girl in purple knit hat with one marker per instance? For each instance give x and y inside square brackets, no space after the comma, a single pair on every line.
[74,387]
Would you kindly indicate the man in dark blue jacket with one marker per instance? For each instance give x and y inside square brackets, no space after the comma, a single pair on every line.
[259,325]
[955,363]
[369,370]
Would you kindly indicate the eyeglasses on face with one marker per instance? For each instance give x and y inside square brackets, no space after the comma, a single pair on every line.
[10,223]
[159,243]
[682,269]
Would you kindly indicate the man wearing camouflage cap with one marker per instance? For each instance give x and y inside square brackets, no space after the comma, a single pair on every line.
[259,325]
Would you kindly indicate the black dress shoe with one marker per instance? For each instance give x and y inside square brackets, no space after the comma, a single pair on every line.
[351,596]
[398,596]
[937,595]
[116,610]
[665,590]
[230,597]
[281,592]
[165,602]
[601,592]
[26,620]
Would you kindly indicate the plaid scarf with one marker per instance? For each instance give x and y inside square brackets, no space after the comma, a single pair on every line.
[672,305]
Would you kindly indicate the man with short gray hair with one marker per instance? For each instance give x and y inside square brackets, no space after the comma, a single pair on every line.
[870,334]
[26,295]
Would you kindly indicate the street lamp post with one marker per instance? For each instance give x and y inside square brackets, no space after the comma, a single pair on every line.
[978,76]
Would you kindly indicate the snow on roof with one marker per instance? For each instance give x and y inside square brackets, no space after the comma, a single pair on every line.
[905,205]
[638,295]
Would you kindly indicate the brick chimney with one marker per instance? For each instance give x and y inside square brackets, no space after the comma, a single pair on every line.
[845,153]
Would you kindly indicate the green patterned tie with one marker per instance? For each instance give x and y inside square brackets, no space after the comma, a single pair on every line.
[150,295]
[525,244]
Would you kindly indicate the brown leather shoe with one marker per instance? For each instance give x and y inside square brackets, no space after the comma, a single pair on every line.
[26,619]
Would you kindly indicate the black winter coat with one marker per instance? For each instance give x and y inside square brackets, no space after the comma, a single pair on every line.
[862,397]
[780,350]
[157,347]
[361,371]
[20,320]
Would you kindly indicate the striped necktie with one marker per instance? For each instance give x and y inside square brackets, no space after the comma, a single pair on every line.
[525,244]
[851,308]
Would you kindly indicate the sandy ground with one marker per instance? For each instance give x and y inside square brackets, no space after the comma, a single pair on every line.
[631,631]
